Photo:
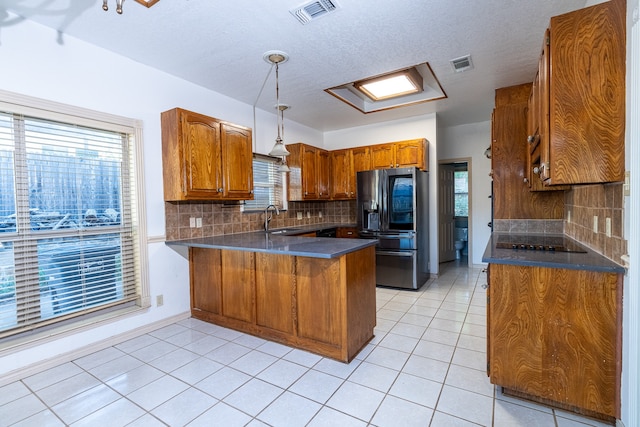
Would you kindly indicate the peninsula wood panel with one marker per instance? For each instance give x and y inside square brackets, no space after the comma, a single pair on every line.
[509,151]
[555,334]
[359,277]
[238,285]
[205,271]
[275,291]
[320,307]
[587,94]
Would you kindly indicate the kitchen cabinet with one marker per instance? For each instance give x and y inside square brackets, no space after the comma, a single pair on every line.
[400,154]
[554,336]
[509,152]
[309,176]
[577,114]
[205,158]
[322,305]
[345,164]
[347,232]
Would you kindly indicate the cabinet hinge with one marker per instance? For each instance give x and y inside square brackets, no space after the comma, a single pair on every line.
[548,41]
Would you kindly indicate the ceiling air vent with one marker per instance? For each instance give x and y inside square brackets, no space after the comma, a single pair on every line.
[313,10]
[462,64]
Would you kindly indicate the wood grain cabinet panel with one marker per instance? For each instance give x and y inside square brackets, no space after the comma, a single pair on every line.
[509,152]
[204,158]
[342,175]
[238,285]
[275,291]
[581,95]
[309,175]
[555,336]
[205,271]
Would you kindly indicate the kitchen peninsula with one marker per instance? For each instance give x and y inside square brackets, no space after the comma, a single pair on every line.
[316,294]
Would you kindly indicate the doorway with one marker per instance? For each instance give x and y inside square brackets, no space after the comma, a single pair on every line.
[454,216]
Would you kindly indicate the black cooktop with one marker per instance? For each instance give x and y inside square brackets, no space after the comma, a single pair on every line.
[541,242]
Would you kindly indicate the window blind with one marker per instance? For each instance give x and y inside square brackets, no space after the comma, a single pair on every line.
[267,184]
[68,220]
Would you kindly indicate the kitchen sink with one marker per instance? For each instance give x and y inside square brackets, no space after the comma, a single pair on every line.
[284,231]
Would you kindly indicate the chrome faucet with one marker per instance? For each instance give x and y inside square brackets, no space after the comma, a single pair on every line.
[268,215]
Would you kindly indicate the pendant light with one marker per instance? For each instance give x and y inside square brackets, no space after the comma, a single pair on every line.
[281,108]
[276,58]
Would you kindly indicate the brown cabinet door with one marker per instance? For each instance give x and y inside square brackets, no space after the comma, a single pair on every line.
[275,290]
[319,309]
[555,334]
[341,174]
[410,153]
[202,155]
[383,156]
[347,232]
[238,290]
[587,95]
[238,161]
[322,177]
[206,279]
[309,173]
[361,159]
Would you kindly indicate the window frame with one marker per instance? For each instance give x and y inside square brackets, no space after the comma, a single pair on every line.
[48,110]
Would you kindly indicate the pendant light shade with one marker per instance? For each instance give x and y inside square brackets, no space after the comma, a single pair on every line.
[278,150]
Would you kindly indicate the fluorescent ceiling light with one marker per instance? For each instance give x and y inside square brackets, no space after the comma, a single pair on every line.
[392,85]
[365,95]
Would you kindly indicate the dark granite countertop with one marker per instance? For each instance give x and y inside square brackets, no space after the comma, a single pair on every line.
[587,260]
[287,243]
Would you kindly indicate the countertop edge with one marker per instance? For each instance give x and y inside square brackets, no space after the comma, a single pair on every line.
[593,261]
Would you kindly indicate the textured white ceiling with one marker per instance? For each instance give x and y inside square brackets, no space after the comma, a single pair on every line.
[219,45]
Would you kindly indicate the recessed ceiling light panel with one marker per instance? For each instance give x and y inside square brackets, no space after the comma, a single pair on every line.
[392,85]
[371,94]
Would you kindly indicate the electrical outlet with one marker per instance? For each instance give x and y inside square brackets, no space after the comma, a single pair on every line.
[626,187]
[299,215]
[607,226]
[159,300]
[595,223]
[320,214]
[308,214]
[192,222]
[568,216]
[198,222]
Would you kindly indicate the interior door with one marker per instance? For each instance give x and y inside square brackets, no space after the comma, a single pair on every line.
[446,223]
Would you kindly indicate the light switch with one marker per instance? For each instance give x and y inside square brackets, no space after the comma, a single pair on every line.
[192,222]
[198,222]
[607,226]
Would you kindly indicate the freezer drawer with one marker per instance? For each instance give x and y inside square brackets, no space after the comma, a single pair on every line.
[396,269]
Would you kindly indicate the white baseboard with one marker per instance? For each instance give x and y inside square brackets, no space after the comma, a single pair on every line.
[38,367]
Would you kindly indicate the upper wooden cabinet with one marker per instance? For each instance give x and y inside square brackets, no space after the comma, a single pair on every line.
[578,100]
[512,198]
[400,154]
[345,164]
[309,176]
[205,158]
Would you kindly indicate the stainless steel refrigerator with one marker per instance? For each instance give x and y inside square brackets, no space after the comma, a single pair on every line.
[393,207]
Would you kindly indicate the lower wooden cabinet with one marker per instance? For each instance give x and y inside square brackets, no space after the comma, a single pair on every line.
[347,232]
[326,306]
[554,336]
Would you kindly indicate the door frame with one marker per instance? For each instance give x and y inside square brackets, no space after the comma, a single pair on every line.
[466,160]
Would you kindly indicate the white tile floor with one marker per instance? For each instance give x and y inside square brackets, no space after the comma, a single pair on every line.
[425,367]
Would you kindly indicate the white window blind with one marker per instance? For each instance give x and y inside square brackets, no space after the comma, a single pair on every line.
[267,184]
[68,220]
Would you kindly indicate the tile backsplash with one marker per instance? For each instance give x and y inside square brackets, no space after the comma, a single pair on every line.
[583,203]
[219,218]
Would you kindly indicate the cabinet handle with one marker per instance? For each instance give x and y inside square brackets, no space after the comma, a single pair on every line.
[391,165]
[531,139]
[536,170]
[220,190]
[526,180]
[305,193]
[397,165]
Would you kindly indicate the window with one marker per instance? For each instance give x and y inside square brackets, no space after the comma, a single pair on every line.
[461,193]
[68,217]
[268,188]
